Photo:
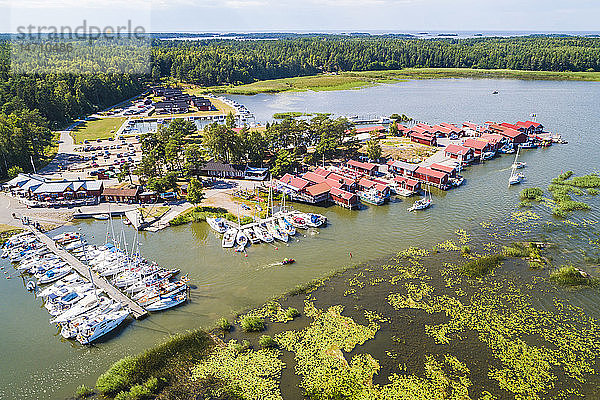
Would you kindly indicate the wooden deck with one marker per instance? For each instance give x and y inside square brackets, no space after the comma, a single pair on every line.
[100,282]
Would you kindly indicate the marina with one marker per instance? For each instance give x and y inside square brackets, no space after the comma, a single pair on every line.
[228,282]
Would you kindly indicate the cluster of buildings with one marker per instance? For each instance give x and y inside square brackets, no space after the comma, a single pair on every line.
[342,185]
[513,134]
[176,102]
[42,191]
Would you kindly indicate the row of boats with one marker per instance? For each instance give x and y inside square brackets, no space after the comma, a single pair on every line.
[77,306]
[280,227]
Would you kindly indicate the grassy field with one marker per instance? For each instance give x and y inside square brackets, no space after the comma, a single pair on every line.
[97,129]
[221,107]
[153,212]
[357,80]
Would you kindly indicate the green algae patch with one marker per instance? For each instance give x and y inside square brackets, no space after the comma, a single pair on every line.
[246,374]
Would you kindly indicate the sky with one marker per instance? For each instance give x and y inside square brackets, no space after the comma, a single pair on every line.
[307,15]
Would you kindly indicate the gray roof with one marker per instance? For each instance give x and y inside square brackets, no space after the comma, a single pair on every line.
[406,166]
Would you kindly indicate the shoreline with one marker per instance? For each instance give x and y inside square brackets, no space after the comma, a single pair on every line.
[355,80]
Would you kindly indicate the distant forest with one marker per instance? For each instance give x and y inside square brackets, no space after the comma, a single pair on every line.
[31,105]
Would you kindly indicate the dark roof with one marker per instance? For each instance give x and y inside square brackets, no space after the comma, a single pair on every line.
[123,192]
[218,166]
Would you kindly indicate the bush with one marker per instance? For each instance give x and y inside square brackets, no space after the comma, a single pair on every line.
[118,378]
[14,171]
[292,313]
[593,192]
[252,324]
[531,194]
[240,347]
[465,249]
[223,324]
[482,266]
[267,342]
[83,392]
[568,275]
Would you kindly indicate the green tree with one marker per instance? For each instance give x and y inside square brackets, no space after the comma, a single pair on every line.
[124,172]
[284,163]
[194,192]
[14,171]
[373,149]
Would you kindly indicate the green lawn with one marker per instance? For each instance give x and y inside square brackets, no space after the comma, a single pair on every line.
[97,129]
[356,80]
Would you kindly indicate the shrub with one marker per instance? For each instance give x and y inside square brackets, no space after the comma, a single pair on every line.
[240,347]
[292,313]
[83,392]
[252,324]
[482,266]
[465,249]
[593,192]
[118,378]
[223,324]
[267,342]
[531,194]
[568,275]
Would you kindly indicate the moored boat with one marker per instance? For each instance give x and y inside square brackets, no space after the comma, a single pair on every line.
[229,238]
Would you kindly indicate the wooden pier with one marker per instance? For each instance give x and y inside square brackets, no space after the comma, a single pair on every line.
[100,282]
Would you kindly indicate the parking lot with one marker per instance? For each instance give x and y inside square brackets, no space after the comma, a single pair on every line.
[104,157]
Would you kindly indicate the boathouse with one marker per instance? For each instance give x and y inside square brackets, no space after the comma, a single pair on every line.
[423,138]
[451,171]
[383,189]
[514,136]
[318,193]
[460,153]
[478,146]
[405,183]
[530,127]
[402,168]
[428,175]
[496,141]
[343,198]
[364,168]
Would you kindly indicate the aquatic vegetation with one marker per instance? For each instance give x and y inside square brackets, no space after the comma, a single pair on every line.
[200,213]
[83,392]
[593,192]
[273,311]
[291,313]
[568,275]
[531,194]
[566,185]
[252,324]
[481,266]
[266,342]
[223,324]
[249,374]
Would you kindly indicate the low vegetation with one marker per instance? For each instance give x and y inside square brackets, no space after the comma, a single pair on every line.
[159,366]
[100,128]
[223,324]
[252,324]
[267,342]
[565,186]
[6,231]
[531,251]
[83,392]
[568,275]
[199,214]
[482,266]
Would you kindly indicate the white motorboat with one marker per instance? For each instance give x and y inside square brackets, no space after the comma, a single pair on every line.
[67,281]
[252,235]
[88,303]
[298,222]
[314,220]
[166,302]
[70,329]
[371,197]
[519,164]
[218,224]
[241,239]
[54,275]
[229,238]
[263,234]
[100,326]
[74,245]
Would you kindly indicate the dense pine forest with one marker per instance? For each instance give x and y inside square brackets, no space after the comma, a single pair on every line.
[31,105]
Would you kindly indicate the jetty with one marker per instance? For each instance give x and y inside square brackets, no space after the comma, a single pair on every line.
[100,282]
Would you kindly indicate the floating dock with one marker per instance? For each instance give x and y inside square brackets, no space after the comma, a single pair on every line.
[100,282]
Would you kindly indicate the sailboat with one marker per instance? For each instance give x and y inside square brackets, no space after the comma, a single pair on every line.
[423,203]
[515,177]
[229,238]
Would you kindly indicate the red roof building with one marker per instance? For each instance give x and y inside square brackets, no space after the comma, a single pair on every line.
[362,167]
[319,193]
[321,171]
[460,153]
[513,135]
[294,182]
[451,171]
[369,129]
[314,178]
[423,138]
[407,183]
[344,198]
[478,146]
[428,175]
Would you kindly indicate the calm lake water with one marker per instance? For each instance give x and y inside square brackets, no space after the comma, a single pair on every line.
[36,364]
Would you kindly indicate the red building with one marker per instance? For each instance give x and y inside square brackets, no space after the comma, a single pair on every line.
[478,146]
[423,138]
[407,183]
[428,175]
[344,198]
[362,167]
[460,153]
[451,171]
